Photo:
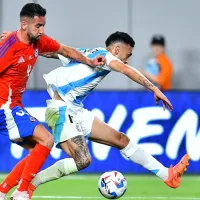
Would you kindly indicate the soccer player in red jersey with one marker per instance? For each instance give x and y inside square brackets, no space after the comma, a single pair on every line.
[18,54]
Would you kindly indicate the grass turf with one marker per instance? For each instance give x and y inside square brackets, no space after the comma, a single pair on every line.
[139,188]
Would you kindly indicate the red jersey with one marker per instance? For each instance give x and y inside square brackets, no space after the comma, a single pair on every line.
[17,60]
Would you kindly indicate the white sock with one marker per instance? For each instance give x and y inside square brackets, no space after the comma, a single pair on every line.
[139,156]
[59,169]
[3,195]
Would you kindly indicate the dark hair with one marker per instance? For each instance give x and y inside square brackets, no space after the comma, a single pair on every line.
[120,37]
[158,40]
[32,9]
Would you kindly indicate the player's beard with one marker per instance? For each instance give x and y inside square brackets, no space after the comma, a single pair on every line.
[34,39]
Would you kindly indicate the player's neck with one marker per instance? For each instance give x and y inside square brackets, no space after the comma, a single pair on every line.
[23,37]
[109,49]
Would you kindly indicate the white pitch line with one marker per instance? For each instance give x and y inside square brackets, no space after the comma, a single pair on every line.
[83,177]
[91,197]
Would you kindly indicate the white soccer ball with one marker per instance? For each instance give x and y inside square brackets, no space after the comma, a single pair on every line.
[112,185]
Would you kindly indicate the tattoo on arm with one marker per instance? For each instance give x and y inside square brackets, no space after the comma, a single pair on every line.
[145,82]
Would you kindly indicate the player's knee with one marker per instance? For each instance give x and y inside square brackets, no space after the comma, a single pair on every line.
[123,140]
[48,141]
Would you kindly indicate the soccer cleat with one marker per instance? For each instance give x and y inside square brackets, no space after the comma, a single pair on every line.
[31,189]
[177,171]
[18,195]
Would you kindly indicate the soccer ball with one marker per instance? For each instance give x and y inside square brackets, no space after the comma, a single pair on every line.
[112,185]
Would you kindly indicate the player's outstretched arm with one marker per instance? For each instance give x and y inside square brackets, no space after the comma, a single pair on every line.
[72,53]
[138,77]
[67,52]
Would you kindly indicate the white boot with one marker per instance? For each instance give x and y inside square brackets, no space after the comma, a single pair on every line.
[18,195]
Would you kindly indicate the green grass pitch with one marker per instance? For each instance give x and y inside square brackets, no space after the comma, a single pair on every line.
[139,188]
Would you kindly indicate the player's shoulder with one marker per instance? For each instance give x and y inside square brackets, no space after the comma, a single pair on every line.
[104,52]
[45,38]
[8,44]
[164,60]
[10,39]
[98,51]
[101,49]
[42,39]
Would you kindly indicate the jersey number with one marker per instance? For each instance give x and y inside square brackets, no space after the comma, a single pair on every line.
[21,113]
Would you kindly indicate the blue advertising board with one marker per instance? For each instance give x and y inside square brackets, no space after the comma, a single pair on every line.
[166,135]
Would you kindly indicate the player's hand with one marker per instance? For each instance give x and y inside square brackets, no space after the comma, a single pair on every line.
[97,61]
[5,34]
[159,96]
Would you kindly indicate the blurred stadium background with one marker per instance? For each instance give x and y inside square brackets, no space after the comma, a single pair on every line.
[128,107]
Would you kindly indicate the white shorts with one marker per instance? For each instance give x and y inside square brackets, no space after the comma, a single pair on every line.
[67,120]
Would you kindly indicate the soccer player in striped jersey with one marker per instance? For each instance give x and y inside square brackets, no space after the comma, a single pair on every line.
[18,54]
[71,123]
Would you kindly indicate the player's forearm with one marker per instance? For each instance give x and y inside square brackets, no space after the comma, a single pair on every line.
[72,53]
[151,77]
[138,77]
[49,55]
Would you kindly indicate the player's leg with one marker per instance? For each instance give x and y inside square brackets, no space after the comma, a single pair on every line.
[37,156]
[104,134]
[19,124]
[77,149]
[100,132]
[14,176]
[9,127]
[69,137]
[34,161]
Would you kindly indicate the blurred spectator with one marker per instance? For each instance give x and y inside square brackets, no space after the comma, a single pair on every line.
[159,69]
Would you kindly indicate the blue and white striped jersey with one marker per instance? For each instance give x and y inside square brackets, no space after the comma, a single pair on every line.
[74,80]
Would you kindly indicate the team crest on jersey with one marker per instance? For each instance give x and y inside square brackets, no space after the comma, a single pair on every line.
[36,53]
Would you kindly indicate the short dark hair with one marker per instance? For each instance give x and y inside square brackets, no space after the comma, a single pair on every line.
[158,40]
[32,9]
[120,37]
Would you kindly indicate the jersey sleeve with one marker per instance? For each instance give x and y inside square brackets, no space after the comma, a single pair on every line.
[47,44]
[109,57]
[6,54]
[64,60]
